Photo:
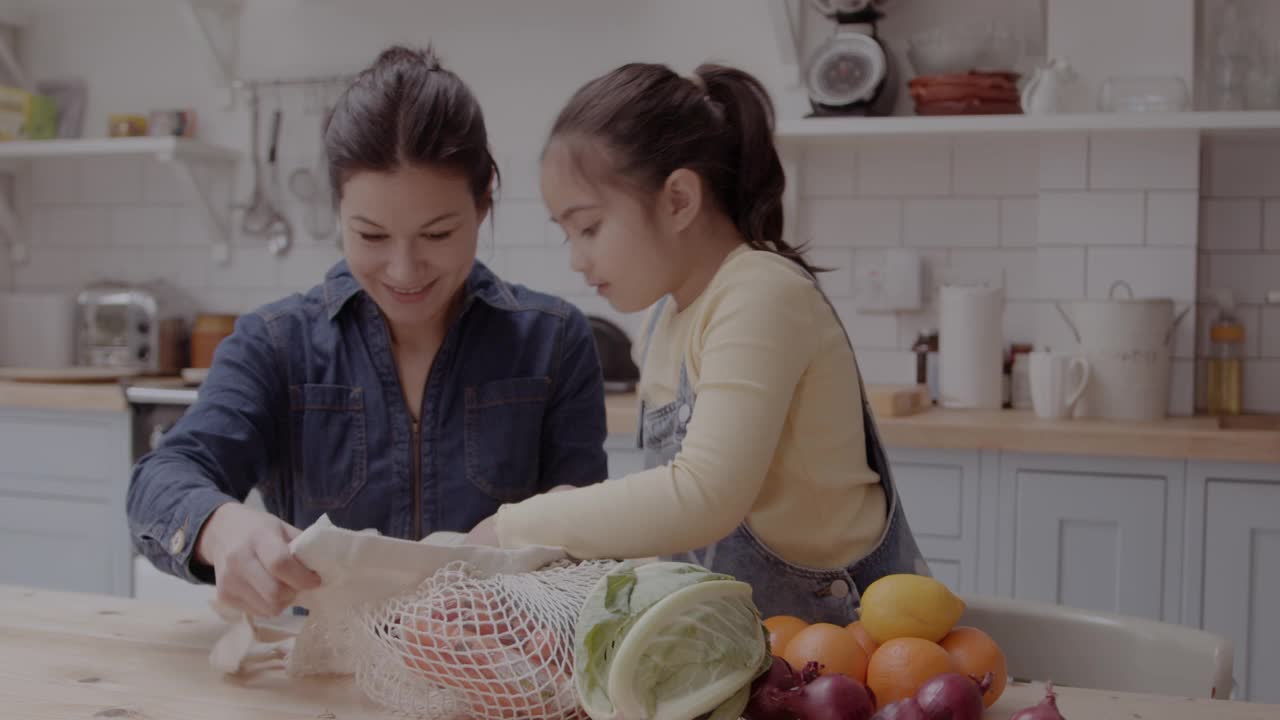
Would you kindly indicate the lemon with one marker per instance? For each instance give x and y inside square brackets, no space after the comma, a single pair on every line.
[904,605]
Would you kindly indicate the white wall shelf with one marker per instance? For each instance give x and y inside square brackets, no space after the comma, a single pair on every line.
[182,153]
[828,129]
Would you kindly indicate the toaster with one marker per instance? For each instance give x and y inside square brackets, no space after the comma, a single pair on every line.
[129,327]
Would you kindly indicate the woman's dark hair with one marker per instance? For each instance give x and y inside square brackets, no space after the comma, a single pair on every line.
[406,109]
[719,124]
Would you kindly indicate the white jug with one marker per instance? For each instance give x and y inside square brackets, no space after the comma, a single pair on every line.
[1042,93]
[1128,345]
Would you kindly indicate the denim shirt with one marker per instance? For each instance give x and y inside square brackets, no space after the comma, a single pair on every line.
[303,401]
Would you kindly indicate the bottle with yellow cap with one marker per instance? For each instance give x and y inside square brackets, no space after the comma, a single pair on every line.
[1226,350]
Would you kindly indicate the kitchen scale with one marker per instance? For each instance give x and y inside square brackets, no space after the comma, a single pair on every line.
[850,73]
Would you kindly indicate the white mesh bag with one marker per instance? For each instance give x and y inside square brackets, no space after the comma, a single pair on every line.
[467,644]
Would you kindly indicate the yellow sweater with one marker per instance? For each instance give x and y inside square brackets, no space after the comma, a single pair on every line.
[776,435]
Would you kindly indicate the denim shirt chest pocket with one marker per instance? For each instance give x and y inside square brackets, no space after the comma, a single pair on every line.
[503,435]
[329,444]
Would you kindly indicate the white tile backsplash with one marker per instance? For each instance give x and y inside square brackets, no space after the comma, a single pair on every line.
[1052,330]
[1232,224]
[1151,272]
[520,176]
[1251,275]
[162,186]
[114,180]
[1271,224]
[829,171]
[1269,332]
[71,226]
[1092,218]
[868,331]
[995,165]
[839,281]
[888,367]
[1013,269]
[853,222]
[952,222]
[55,180]
[1262,386]
[1144,161]
[1241,168]
[251,266]
[1064,162]
[517,223]
[1172,218]
[1182,378]
[144,225]
[1019,221]
[905,167]
[1060,273]
[1021,321]
[545,269]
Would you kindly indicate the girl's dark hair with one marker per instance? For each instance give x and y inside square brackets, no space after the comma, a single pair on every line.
[719,124]
[406,109]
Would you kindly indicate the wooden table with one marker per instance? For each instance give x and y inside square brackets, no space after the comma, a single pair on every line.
[67,656]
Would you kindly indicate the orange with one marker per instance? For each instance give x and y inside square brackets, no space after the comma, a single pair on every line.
[781,629]
[834,648]
[976,654]
[868,644]
[899,667]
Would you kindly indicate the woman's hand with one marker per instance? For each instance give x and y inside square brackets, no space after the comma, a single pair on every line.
[249,551]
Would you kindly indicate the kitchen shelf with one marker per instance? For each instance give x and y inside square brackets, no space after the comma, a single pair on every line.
[830,129]
[163,148]
[182,153]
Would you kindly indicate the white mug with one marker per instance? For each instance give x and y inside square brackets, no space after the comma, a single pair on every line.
[1053,394]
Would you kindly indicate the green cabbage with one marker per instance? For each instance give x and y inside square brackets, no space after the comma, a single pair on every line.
[667,641]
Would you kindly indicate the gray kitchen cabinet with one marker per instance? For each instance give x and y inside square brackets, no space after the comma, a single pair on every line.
[63,477]
[1093,533]
[939,491]
[1233,567]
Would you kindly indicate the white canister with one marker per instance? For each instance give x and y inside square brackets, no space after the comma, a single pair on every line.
[1128,343]
[971,345]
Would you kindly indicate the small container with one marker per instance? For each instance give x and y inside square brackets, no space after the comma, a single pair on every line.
[206,333]
[1020,377]
[126,126]
[1226,353]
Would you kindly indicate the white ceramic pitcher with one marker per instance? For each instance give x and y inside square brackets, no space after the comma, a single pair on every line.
[1128,343]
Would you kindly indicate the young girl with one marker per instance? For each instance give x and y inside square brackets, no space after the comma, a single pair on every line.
[763,459]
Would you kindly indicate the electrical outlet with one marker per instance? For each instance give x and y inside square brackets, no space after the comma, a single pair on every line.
[891,285]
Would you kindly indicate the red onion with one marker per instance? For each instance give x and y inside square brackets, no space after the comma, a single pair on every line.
[1047,709]
[769,693]
[952,696]
[904,709]
[832,697]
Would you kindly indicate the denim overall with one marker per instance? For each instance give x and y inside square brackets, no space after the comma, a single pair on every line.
[780,587]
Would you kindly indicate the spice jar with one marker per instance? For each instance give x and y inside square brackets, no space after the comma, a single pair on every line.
[208,331]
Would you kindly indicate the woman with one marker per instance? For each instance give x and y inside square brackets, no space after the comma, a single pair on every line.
[412,391]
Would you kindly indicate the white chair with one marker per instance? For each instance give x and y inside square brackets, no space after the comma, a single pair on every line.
[1082,648]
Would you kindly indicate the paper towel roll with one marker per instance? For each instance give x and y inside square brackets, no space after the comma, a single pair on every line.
[971,345]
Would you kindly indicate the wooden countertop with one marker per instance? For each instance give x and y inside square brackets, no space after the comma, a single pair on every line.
[71,656]
[1194,438]
[62,396]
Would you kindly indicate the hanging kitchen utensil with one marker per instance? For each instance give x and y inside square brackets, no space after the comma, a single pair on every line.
[279,232]
[259,213]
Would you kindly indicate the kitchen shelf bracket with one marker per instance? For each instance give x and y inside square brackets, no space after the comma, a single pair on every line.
[215,24]
[218,217]
[11,227]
